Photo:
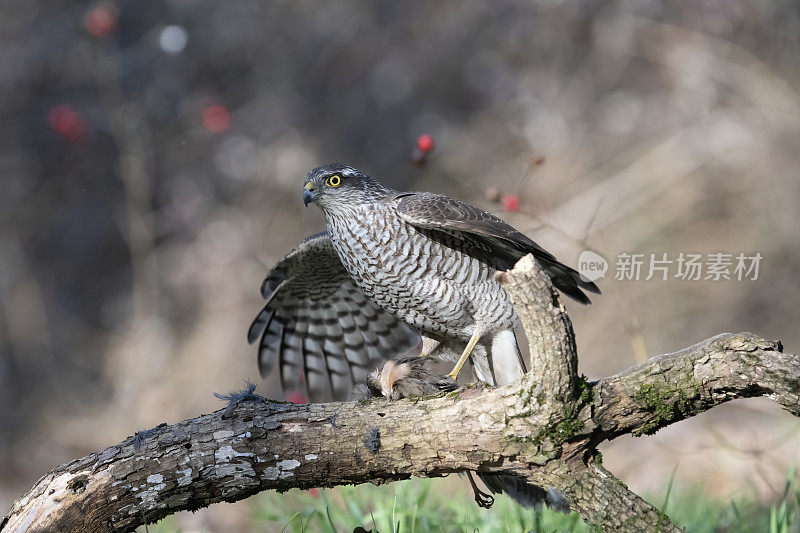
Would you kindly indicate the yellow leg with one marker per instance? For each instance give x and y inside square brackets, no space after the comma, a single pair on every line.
[468,350]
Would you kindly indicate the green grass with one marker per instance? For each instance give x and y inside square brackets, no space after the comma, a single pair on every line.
[418,505]
[694,510]
[446,505]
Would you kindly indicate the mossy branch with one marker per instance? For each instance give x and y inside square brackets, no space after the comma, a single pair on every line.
[673,387]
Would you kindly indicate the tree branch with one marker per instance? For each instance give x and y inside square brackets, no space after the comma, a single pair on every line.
[602,499]
[680,385]
[553,355]
[544,427]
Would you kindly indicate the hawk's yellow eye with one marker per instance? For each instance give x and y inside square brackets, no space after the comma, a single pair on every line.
[333,181]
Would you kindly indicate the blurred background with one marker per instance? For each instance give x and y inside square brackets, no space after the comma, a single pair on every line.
[152,158]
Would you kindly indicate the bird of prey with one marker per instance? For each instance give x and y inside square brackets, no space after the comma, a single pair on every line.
[393,269]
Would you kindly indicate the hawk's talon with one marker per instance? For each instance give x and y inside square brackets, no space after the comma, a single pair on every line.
[483,499]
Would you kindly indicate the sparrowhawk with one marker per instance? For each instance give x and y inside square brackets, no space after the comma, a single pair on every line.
[389,267]
[394,270]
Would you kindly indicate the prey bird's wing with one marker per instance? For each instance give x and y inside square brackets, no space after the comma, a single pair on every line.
[324,333]
[484,231]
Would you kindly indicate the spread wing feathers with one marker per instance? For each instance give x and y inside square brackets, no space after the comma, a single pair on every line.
[507,245]
[320,328]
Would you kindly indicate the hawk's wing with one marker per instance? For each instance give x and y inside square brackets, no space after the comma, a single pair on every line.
[323,331]
[439,213]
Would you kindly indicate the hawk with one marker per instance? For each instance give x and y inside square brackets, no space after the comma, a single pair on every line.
[394,270]
[391,270]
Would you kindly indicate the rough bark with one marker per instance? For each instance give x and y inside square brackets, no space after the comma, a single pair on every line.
[545,427]
[553,355]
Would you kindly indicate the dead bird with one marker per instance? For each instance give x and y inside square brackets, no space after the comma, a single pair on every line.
[408,377]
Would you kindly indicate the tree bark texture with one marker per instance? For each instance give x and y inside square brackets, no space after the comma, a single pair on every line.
[545,427]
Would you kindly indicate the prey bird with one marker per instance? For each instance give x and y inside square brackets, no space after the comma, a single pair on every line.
[412,377]
[407,377]
[391,271]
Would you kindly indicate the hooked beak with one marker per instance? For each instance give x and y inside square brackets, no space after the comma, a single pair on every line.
[309,194]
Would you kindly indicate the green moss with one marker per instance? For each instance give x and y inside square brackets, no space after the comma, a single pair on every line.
[779,377]
[561,430]
[750,357]
[666,403]
[568,428]
[557,433]
[525,396]
[422,407]
[585,389]
[522,414]
[566,424]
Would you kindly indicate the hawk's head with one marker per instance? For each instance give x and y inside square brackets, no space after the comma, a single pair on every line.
[337,184]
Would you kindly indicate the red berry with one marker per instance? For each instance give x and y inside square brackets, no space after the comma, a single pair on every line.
[216,118]
[425,143]
[314,493]
[296,397]
[66,122]
[511,202]
[99,21]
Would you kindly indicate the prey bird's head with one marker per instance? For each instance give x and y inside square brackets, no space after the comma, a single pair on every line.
[408,377]
[389,375]
[335,184]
